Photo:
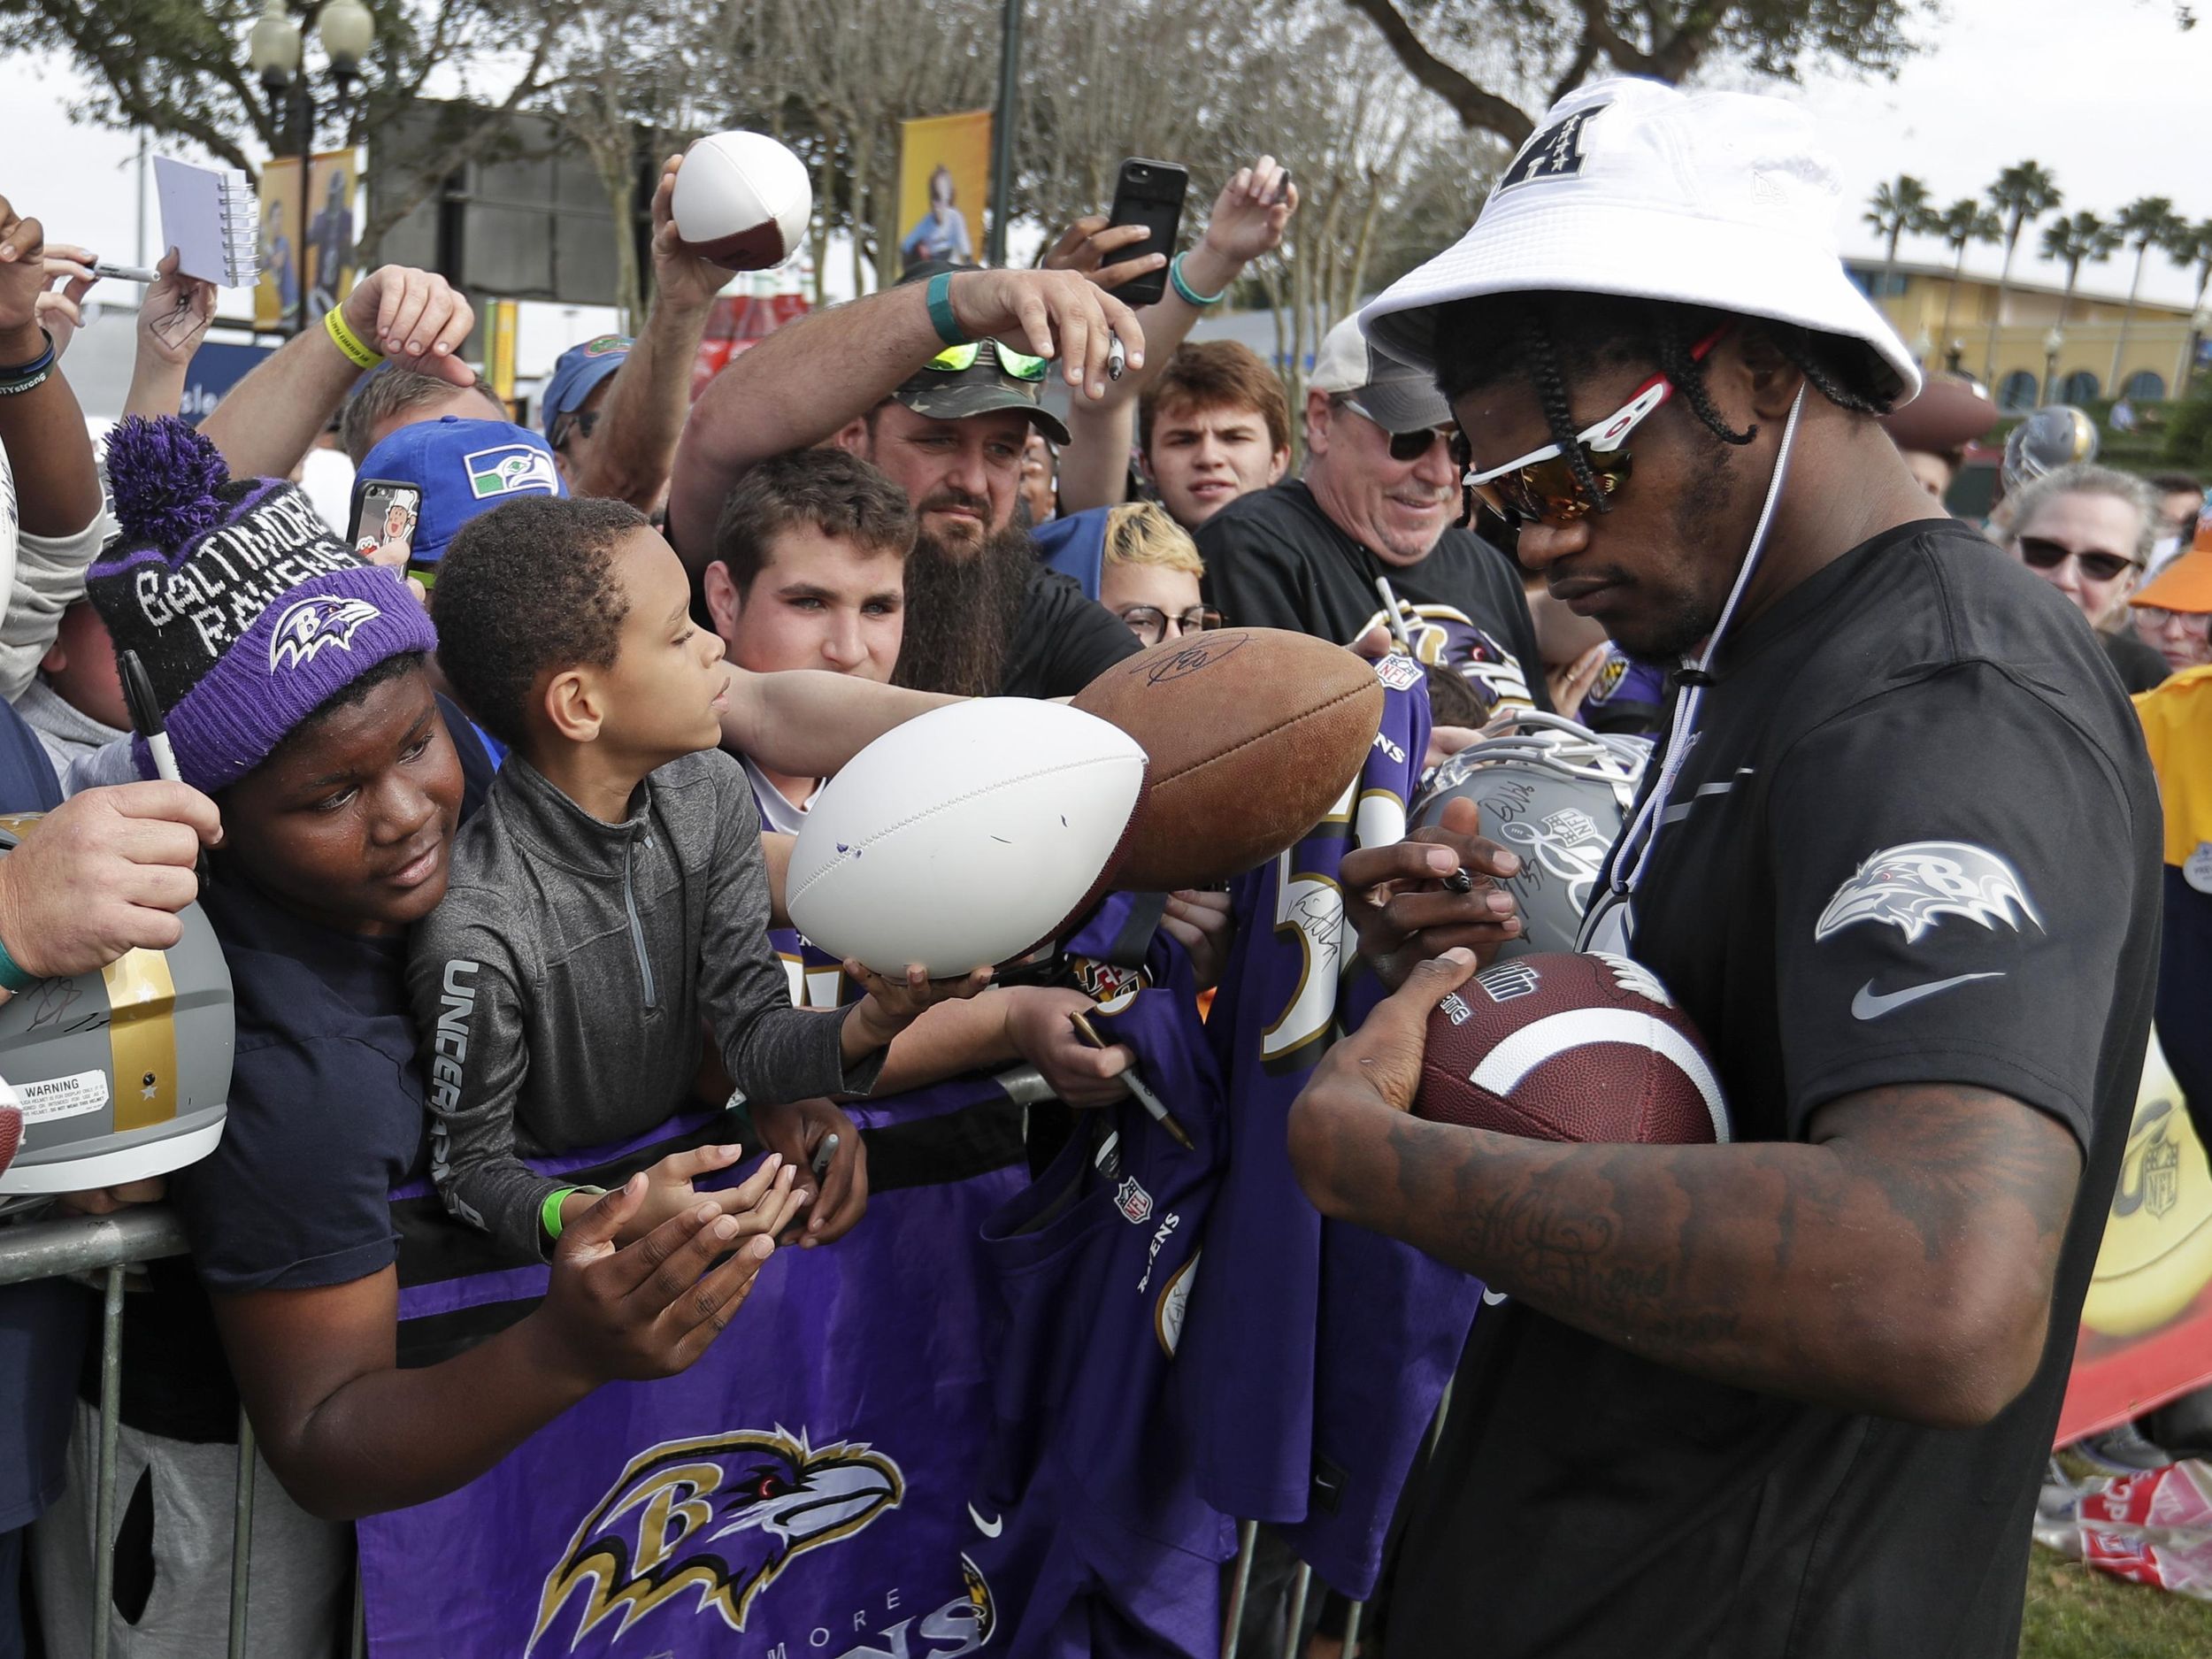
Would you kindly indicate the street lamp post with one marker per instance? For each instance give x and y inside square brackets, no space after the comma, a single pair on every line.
[274,50]
[2054,343]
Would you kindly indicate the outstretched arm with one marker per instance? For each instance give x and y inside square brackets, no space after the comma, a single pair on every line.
[1899,1261]
[808,380]
[808,723]
[348,1433]
[266,424]
[649,395]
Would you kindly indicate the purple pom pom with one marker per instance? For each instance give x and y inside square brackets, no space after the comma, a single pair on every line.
[164,477]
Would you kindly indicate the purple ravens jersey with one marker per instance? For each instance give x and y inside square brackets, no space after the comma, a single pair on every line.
[1316,1352]
[1088,1526]
[1626,697]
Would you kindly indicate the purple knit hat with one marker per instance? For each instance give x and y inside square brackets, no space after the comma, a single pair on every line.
[247,612]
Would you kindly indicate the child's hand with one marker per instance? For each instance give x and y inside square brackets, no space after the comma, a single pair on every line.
[798,1132]
[763,1203]
[891,1005]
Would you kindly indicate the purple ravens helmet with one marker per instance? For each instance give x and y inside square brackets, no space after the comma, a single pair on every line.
[121,1073]
[1556,792]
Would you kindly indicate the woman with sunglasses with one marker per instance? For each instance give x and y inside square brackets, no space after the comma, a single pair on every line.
[2087,531]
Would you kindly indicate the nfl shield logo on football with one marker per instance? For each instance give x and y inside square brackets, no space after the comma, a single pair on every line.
[1135,1203]
[512,469]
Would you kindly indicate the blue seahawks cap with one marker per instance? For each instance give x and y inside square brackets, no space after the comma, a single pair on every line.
[463,467]
[577,373]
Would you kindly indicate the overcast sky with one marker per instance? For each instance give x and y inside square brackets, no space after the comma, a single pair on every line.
[2106,93]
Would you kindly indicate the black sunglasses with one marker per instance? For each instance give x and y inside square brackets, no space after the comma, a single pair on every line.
[573,421]
[1404,446]
[2099,567]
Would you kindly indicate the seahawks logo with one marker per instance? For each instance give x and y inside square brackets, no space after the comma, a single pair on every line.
[306,625]
[718,1518]
[1916,885]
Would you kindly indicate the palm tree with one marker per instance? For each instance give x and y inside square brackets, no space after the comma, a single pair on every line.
[2145,223]
[2074,242]
[2023,194]
[1965,222]
[1895,210]
[2192,249]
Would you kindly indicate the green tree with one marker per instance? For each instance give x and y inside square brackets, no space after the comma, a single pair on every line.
[2144,224]
[1965,222]
[2075,241]
[1524,55]
[1895,210]
[2023,194]
[2191,247]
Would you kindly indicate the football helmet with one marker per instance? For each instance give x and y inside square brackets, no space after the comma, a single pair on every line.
[2056,435]
[121,1073]
[1557,794]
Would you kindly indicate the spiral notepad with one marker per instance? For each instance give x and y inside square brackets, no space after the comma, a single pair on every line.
[208,215]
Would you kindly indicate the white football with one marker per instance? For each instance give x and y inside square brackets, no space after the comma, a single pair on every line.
[742,201]
[965,837]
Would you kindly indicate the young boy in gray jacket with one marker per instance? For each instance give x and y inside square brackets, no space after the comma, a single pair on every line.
[612,892]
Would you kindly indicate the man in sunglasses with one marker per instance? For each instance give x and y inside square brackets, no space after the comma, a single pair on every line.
[938,382]
[2088,531]
[1898,862]
[1365,547]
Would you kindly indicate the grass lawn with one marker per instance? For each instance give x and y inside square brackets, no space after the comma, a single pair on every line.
[2076,1612]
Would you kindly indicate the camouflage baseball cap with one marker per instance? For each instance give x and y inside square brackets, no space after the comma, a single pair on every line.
[983,387]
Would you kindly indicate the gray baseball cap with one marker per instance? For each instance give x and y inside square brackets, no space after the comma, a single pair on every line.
[1397,397]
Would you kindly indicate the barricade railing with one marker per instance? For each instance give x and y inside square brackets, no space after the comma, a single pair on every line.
[107,1248]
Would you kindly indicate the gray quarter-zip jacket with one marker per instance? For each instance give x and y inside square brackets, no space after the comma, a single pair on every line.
[559,987]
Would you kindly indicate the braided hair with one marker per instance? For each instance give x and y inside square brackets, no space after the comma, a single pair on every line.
[1539,337]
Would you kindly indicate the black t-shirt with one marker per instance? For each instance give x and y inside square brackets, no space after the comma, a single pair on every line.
[1916,840]
[1064,641]
[1275,560]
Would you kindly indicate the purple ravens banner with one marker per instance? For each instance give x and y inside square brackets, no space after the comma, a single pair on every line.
[803,1490]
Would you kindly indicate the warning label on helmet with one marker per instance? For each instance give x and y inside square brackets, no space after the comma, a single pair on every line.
[63,1096]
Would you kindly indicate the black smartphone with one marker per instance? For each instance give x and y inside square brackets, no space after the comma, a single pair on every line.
[1150,194]
[384,514]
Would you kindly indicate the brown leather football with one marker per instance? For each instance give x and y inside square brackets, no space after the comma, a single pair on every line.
[1568,1045]
[1252,733]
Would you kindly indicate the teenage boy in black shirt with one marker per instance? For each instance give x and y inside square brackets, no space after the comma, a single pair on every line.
[1368,531]
[1791,1395]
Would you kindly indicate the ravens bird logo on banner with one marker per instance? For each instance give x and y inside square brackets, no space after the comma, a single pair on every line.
[719,1517]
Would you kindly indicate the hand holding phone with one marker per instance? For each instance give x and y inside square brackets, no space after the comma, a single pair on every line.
[1150,194]
[385,511]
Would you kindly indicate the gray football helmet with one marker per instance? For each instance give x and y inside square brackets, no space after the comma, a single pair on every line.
[121,1073]
[1557,794]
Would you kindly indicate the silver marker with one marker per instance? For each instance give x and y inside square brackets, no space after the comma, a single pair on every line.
[126,273]
[1117,357]
[824,1154]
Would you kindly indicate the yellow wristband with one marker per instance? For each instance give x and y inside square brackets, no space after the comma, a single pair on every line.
[343,337]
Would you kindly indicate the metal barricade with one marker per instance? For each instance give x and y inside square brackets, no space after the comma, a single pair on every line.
[106,1247]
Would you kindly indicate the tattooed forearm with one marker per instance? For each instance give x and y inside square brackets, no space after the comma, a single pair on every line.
[1899,1261]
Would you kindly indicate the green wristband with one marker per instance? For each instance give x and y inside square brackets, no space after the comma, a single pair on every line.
[1191,297]
[12,976]
[549,1212]
[941,316]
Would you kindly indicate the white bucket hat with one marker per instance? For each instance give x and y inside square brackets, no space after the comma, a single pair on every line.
[1719,199]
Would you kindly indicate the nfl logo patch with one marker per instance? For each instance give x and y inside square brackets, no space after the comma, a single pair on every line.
[1554,153]
[512,469]
[1134,1202]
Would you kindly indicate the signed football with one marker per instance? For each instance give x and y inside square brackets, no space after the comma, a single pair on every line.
[1568,1045]
[1253,734]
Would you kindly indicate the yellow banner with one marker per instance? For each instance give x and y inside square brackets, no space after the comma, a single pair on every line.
[314,246]
[944,180]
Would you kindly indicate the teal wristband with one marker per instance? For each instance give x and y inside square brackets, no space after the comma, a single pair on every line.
[941,316]
[12,977]
[1190,295]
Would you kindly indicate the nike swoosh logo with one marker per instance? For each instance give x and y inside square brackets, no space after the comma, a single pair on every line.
[1868,1005]
[989,1529]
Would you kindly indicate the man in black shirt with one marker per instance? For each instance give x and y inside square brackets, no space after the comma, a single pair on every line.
[932,382]
[1791,1395]
[1362,547]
